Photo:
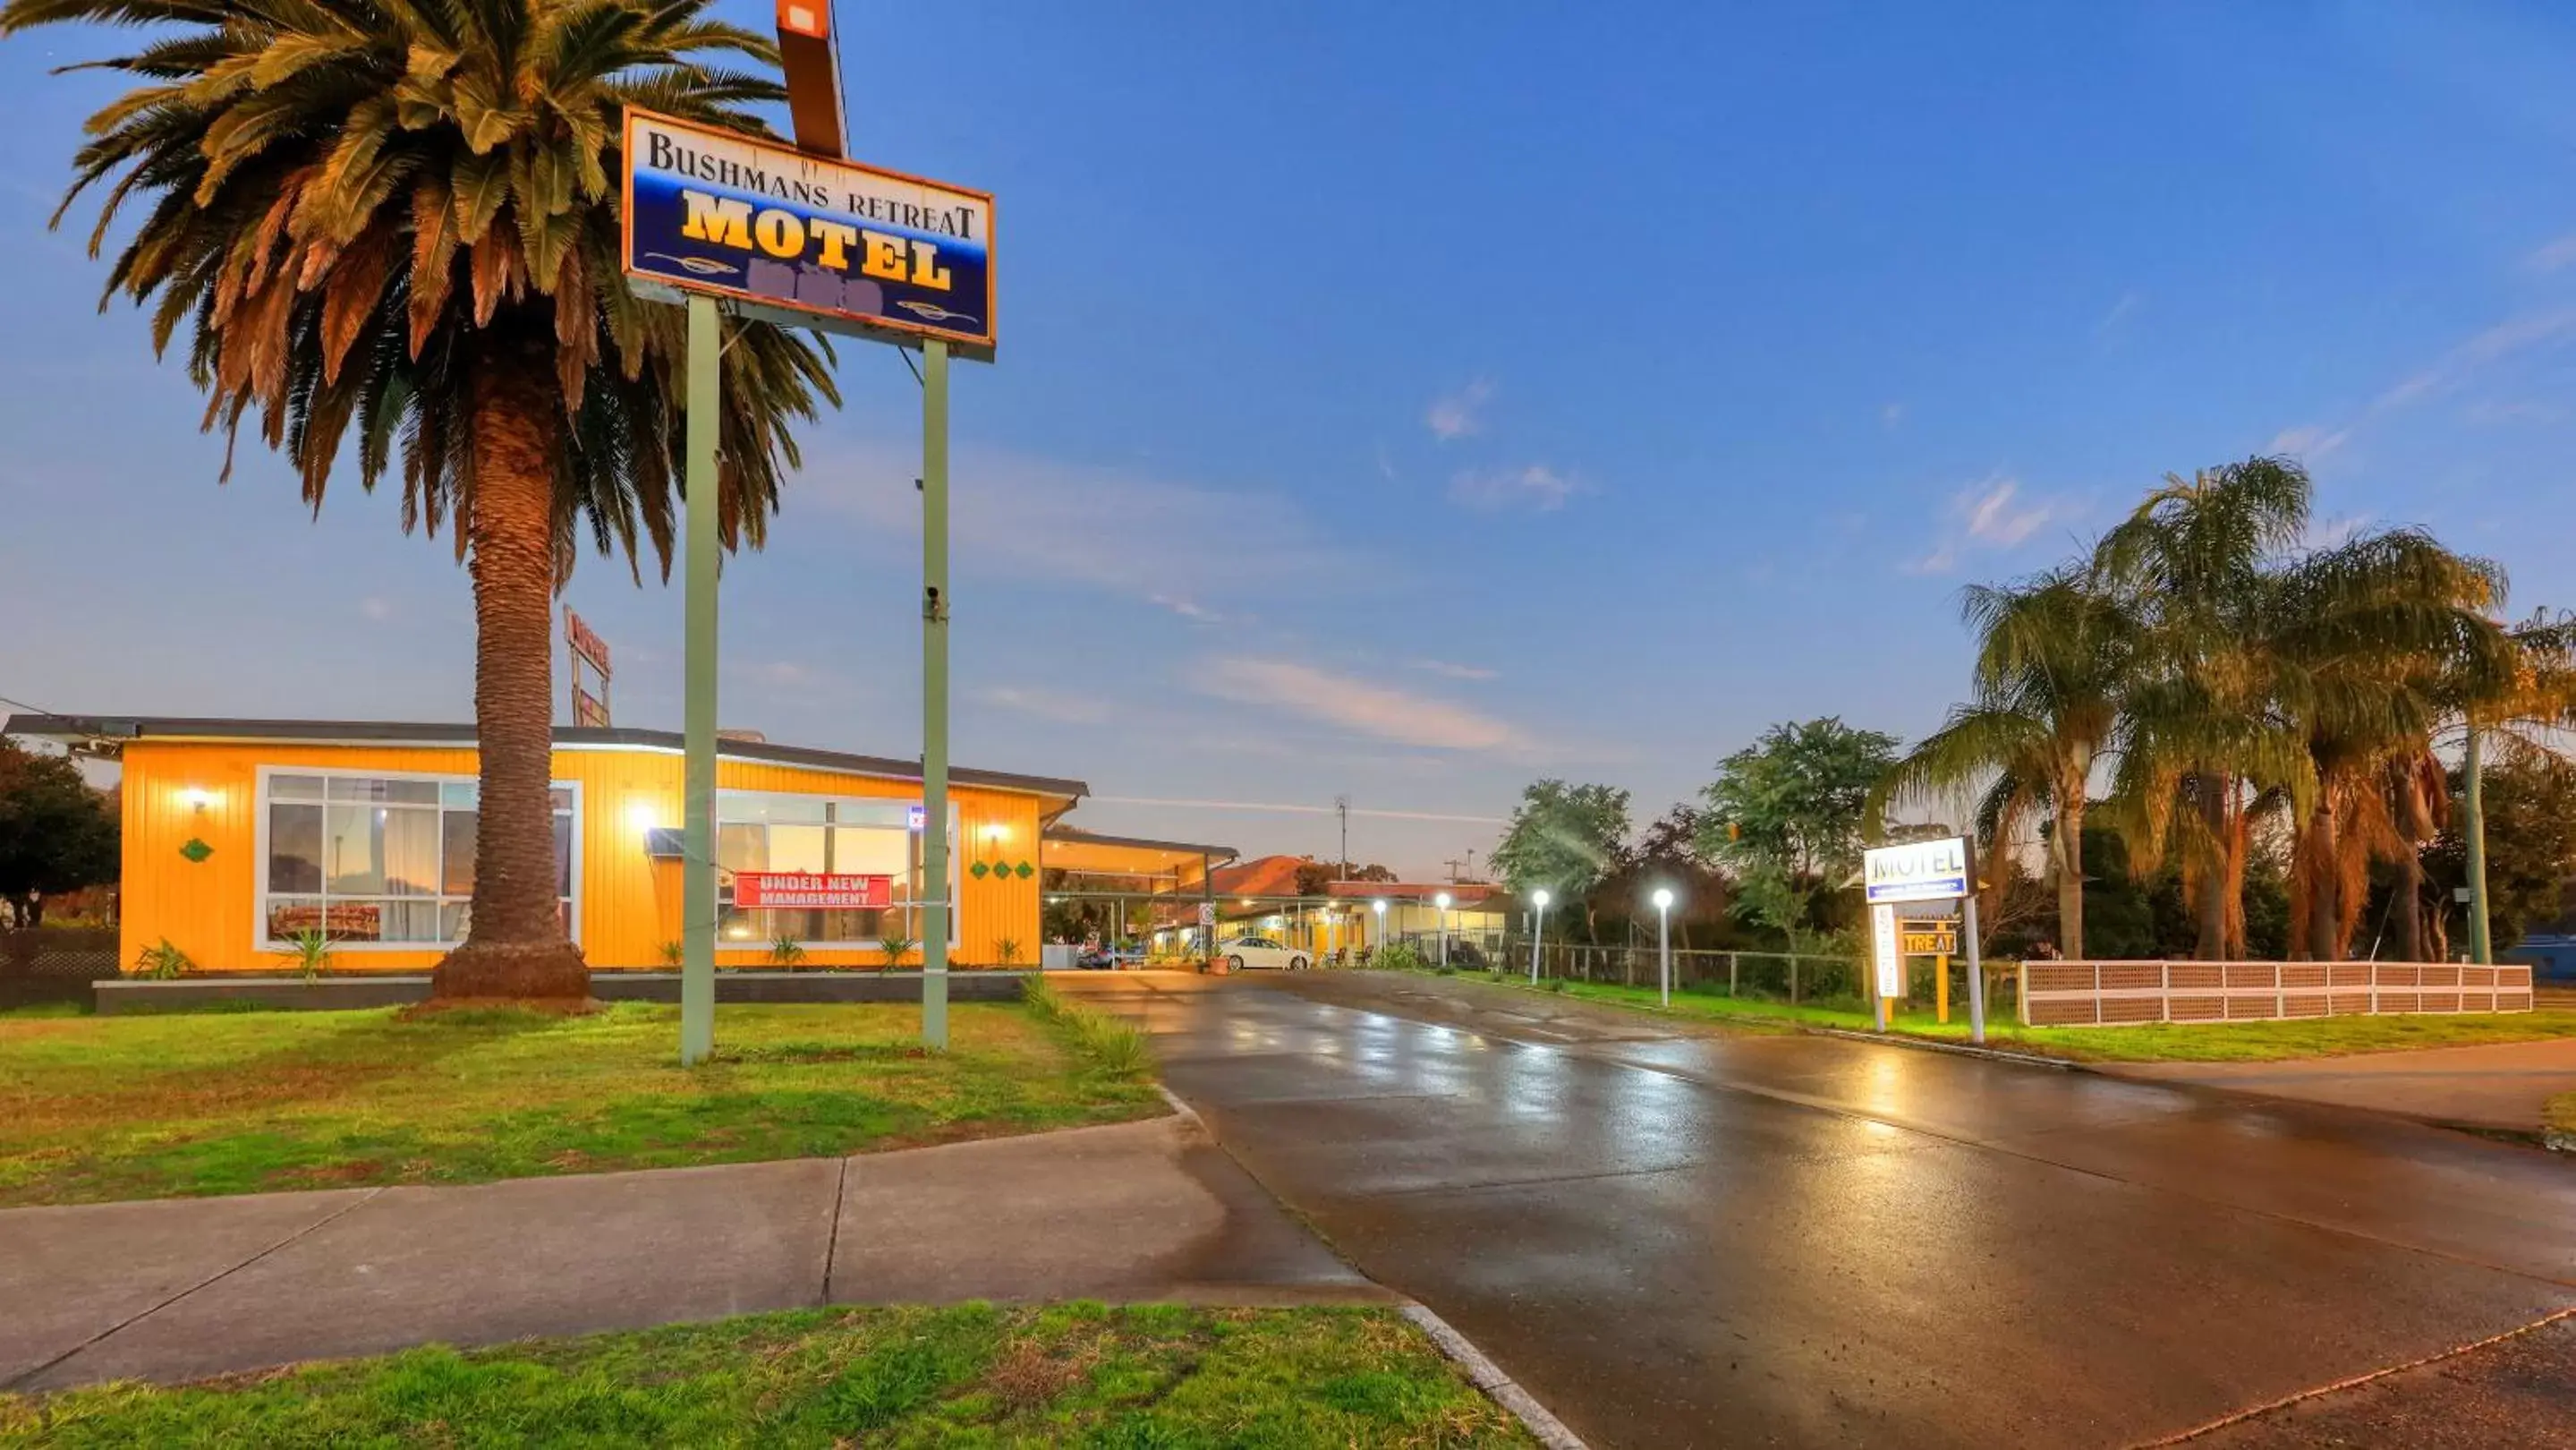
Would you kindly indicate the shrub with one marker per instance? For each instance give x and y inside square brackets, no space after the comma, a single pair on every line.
[310,951]
[896,948]
[1119,1047]
[787,951]
[162,962]
[673,953]
[1006,951]
[1400,956]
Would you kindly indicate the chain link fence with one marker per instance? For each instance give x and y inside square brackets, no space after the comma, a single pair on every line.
[1798,979]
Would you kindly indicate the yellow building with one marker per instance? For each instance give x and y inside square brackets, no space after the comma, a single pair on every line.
[241,833]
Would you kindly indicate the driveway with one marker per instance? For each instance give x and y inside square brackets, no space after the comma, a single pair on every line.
[2499,1085]
[1676,1237]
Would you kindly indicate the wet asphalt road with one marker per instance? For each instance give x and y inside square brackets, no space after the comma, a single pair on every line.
[1680,1238]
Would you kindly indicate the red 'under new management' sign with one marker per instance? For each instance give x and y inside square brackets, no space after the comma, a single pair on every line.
[812,891]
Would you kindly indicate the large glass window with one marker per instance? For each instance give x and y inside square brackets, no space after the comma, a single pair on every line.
[762,831]
[380,859]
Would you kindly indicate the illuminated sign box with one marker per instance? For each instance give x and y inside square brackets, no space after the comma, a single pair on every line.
[803,240]
[1916,871]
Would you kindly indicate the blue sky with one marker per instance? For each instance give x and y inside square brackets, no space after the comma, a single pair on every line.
[1400,404]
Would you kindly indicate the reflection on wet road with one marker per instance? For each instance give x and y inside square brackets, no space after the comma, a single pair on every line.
[1724,1239]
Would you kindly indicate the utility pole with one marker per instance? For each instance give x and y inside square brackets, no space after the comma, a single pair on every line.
[1342,863]
[2481,941]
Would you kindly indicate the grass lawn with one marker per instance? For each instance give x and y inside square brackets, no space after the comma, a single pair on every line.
[2559,1116]
[1073,1374]
[98,1108]
[2216,1042]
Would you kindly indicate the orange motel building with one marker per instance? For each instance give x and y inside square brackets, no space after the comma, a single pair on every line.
[241,834]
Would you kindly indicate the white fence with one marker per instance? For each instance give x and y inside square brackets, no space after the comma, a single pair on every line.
[2116,994]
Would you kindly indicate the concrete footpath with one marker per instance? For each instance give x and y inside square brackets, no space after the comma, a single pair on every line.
[2502,1085]
[177,1289]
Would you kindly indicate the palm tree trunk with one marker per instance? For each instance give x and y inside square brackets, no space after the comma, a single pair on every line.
[2315,858]
[2066,843]
[2211,945]
[516,946]
[2408,908]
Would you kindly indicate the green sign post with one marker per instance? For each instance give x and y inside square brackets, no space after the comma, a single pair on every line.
[733,224]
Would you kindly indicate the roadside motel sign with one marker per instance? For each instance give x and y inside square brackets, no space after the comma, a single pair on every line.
[811,891]
[1934,870]
[1942,869]
[806,240]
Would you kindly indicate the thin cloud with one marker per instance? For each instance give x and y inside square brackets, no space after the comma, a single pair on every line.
[1460,414]
[1891,414]
[376,607]
[1354,704]
[1035,518]
[2308,441]
[1992,514]
[1288,808]
[2553,254]
[1452,671]
[1186,608]
[1536,487]
[1060,706]
[2506,338]
[2121,311]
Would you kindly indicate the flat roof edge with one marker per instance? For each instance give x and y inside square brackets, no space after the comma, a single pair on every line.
[388,732]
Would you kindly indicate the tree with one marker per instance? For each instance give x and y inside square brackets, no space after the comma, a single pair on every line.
[2054,660]
[1564,838]
[1785,816]
[2361,641]
[393,225]
[56,833]
[2531,842]
[2198,740]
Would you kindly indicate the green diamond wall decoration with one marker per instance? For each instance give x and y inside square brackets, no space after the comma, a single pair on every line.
[979,870]
[196,850]
[1026,871]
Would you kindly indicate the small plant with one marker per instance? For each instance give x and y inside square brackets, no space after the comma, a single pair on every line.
[1554,984]
[673,953]
[1119,1047]
[1006,951]
[162,962]
[310,951]
[787,951]
[1399,956]
[896,948]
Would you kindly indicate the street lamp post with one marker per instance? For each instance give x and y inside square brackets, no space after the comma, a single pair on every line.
[1442,901]
[1538,929]
[1664,938]
[1379,944]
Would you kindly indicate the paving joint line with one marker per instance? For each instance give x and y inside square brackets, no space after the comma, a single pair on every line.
[2350,1382]
[832,1240]
[206,1283]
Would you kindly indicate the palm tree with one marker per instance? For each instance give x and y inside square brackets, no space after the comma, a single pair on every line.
[2361,640]
[2199,746]
[2054,657]
[393,224]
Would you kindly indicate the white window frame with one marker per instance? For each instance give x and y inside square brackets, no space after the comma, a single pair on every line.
[260,940]
[956,927]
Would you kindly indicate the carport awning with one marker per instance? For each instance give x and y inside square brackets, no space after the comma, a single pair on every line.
[1084,853]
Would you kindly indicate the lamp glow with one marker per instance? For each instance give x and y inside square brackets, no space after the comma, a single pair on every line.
[1663,898]
[641,817]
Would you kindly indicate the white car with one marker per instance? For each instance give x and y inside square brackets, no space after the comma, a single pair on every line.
[1261,951]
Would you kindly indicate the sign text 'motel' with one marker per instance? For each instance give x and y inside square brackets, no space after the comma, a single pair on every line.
[836,245]
[1916,871]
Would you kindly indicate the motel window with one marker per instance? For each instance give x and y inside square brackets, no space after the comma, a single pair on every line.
[768,831]
[384,860]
